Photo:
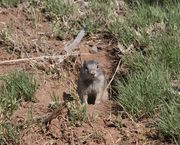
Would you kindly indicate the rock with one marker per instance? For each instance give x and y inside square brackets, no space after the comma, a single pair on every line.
[55,129]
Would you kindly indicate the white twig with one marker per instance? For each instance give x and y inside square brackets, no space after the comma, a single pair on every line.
[114,74]
[62,57]
[21,60]
[69,48]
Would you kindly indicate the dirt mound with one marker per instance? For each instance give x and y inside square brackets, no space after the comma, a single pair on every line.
[102,127]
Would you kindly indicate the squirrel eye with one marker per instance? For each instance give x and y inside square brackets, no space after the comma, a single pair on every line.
[86,69]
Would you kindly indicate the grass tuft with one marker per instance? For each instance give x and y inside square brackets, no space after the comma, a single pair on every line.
[8,134]
[147,15]
[121,32]
[9,2]
[77,113]
[168,123]
[16,87]
[167,51]
[55,102]
[144,90]
[154,61]
[60,7]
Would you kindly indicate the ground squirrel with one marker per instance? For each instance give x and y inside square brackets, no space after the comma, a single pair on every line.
[92,83]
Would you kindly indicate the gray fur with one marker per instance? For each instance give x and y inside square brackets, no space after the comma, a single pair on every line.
[92,82]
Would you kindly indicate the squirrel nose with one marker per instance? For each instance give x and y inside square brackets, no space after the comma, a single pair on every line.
[93,73]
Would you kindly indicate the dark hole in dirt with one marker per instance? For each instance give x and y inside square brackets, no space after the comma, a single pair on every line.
[67,97]
[153,137]
[91,99]
[85,142]
[117,109]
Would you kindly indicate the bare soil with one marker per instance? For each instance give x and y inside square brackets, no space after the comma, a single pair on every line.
[101,128]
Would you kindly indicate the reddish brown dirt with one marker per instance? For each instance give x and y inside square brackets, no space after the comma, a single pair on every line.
[100,129]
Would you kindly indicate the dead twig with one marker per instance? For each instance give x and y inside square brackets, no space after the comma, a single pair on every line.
[53,115]
[111,137]
[68,48]
[60,57]
[114,74]
[111,82]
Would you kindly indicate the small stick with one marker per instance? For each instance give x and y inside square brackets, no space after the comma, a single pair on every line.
[110,83]
[56,112]
[62,57]
[113,74]
[35,58]
[113,79]
[111,137]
